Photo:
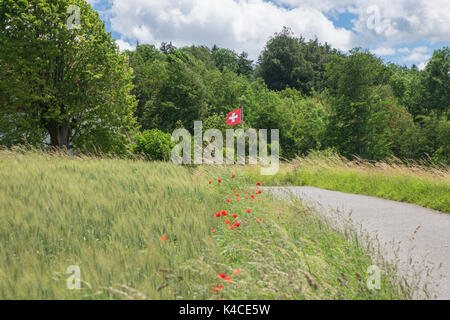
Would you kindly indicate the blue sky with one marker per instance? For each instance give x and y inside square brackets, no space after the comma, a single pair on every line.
[401,31]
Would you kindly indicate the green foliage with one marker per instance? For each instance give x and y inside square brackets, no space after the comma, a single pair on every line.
[69,84]
[290,62]
[153,144]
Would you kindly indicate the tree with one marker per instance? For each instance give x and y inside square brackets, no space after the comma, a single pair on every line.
[72,84]
[356,124]
[437,81]
[291,62]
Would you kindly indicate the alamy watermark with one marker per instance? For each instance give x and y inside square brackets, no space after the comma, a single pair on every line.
[74,20]
[213,153]
[374,278]
[73,281]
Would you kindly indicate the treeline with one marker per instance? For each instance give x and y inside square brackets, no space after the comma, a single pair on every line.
[318,97]
[73,89]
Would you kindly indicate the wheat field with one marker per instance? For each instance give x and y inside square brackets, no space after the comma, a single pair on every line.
[149,230]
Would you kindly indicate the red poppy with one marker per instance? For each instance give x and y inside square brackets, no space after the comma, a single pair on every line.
[163,238]
[228,200]
[217,289]
[253,197]
[234,191]
[227,221]
[238,271]
[237,200]
[213,230]
[259,220]
[222,275]
[259,192]
[237,194]
[228,279]
[253,189]
[245,192]
[246,197]
[248,210]
[235,216]
[224,213]
[210,181]
[219,180]
[258,184]
[233,176]
[218,215]
[236,225]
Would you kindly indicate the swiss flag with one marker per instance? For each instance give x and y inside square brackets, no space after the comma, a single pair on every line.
[234,117]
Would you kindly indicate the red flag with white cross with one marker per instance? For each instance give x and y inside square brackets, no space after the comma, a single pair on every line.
[234,117]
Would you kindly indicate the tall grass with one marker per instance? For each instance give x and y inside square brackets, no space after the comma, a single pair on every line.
[107,216]
[413,182]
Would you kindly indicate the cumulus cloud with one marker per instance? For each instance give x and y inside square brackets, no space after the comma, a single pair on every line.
[382,51]
[123,45]
[241,25]
[418,55]
[390,21]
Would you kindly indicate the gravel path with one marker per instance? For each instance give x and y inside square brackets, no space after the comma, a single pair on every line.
[395,224]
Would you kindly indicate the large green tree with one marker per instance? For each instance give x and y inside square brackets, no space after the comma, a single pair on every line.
[62,76]
[291,62]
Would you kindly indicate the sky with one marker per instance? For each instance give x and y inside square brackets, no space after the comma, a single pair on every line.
[401,31]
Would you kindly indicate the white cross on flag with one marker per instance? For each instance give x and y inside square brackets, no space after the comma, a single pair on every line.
[234,117]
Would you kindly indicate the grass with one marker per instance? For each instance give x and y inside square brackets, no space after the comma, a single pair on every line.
[415,183]
[107,216]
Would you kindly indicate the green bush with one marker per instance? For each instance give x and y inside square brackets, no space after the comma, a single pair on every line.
[153,144]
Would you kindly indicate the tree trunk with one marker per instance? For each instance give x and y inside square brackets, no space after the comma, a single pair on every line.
[59,136]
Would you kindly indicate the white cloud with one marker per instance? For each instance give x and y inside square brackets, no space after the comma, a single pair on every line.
[396,21]
[382,51]
[418,56]
[244,25]
[123,45]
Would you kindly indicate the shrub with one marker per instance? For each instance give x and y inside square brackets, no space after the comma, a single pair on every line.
[153,144]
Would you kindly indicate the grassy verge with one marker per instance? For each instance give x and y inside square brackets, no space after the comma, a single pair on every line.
[149,230]
[412,183]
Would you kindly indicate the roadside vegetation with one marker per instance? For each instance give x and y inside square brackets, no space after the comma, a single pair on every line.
[154,230]
[420,183]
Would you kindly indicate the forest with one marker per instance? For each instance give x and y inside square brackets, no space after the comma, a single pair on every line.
[74,89]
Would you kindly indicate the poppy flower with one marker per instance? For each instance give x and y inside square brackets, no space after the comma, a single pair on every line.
[163,238]
[253,189]
[227,222]
[237,194]
[210,181]
[234,191]
[219,180]
[237,200]
[238,272]
[245,192]
[218,214]
[228,279]
[258,184]
[259,192]
[236,225]
[217,289]
[259,220]
[228,200]
[248,210]
[246,197]
[235,216]
[222,275]
[233,176]
[253,197]
[213,230]
[224,213]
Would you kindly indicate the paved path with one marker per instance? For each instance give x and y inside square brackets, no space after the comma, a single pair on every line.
[395,224]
